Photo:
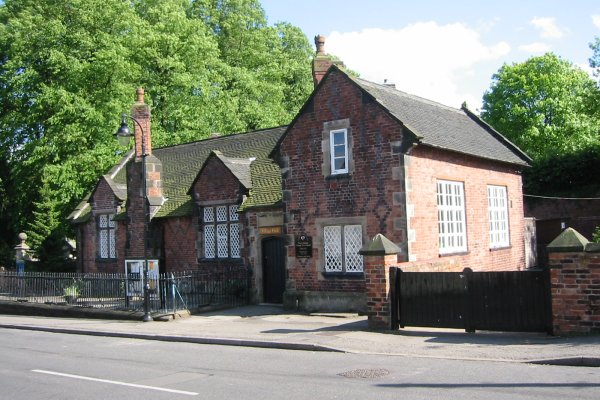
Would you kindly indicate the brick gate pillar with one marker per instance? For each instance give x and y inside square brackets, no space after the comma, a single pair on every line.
[379,255]
[575,283]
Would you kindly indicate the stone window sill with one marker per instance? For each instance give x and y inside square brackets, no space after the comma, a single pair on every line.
[501,248]
[458,253]
[343,275]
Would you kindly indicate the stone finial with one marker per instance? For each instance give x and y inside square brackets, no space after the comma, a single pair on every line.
[320,44]
[22,237]
[140,95]
[380,246]
[568,241]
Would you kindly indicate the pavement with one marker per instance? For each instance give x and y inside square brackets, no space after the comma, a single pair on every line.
[272,327]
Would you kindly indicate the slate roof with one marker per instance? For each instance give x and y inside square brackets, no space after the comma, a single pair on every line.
[444,127]
[181,164]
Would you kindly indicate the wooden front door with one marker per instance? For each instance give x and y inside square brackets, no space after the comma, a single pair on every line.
[273,264]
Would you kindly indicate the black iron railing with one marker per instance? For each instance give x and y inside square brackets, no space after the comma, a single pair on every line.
[168,292]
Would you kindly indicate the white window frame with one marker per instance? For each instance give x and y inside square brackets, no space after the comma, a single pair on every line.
[107,236]
[332,147]
[452,224]
[339,247]
[218,227]
[498,216]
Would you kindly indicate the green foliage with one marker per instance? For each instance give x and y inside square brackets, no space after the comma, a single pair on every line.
[596,235]
[69,68]
[545,105]
[568,175]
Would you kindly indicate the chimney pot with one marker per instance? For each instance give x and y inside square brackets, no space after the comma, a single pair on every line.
[320,44]
[141,112]
[140,95]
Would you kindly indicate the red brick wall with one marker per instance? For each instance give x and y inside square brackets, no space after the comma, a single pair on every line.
[423,167]
[377,272]
[217,185]
[575,286]
[368,191]
[135,213]
[180,236]
[375,190]
[103,200]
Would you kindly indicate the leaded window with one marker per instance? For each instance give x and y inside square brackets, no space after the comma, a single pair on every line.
[498,216]
[221,232]
[341,246]
[452,230]
[107,236]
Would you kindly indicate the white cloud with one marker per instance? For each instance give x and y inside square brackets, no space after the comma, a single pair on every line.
[596,20]
[548,27]
[425,59]
[587,69]
[535,48]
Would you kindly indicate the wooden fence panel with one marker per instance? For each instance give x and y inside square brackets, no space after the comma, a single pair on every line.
[503,301]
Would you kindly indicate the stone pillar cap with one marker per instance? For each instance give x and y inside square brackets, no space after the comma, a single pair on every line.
[568,241]
[379,246]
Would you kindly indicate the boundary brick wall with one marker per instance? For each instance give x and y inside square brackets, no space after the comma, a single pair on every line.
[575,287]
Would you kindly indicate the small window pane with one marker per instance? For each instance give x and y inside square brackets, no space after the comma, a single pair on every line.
[222,213]
[339,138]
[233,214]
[352,245]
[209,241]
[340,163]
[209,214]
[222,241]
[332,236]
[112,248]
[234,237]
[339,151]
[103,244]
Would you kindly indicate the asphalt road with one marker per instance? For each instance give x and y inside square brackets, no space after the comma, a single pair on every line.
[38,365]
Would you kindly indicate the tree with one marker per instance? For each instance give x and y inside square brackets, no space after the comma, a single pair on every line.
[69,68]
[545,105]
[63,79]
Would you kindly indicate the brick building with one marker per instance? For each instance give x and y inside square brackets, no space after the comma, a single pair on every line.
[295,204]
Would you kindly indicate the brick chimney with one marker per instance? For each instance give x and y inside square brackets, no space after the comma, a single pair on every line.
[141,112]
[322,61]
[153,173]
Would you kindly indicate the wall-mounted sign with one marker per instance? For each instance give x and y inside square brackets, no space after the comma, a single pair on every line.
[303,245]
[270,230]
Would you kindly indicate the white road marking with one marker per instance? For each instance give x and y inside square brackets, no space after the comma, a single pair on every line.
[87,378]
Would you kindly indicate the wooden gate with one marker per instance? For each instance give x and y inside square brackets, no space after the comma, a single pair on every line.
[501,301]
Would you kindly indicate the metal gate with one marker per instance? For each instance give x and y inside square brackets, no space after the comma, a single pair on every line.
[501,301]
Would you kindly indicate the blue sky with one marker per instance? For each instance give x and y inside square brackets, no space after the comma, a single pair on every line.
[445,51]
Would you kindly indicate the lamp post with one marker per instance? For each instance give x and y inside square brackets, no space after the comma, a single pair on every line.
[124,136]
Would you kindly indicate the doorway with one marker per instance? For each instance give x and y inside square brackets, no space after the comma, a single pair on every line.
[273,264]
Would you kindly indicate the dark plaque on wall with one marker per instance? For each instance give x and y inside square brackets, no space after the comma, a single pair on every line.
[303,245]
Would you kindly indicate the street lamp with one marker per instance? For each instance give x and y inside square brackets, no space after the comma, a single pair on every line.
[124,136]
